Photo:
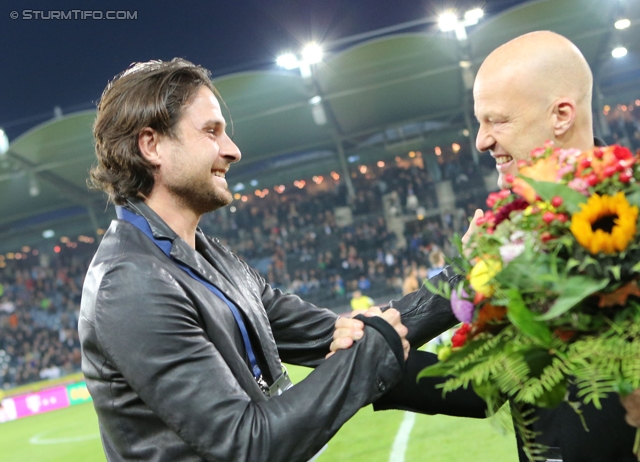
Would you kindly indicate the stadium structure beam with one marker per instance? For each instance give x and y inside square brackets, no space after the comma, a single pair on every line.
[68,190]
[351,91]
[335,129]
[356,136]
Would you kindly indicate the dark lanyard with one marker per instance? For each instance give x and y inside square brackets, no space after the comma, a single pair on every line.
[165,245]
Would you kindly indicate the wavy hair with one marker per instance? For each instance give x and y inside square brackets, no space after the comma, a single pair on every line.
[151,94]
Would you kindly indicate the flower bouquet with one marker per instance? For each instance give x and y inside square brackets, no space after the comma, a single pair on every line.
[551,299]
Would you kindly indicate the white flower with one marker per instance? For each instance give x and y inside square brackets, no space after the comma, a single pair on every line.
[510,251]
[517,237]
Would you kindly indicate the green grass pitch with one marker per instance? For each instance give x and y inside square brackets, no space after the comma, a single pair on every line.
[71,435]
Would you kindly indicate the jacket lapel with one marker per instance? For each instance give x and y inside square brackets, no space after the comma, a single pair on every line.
[221,277]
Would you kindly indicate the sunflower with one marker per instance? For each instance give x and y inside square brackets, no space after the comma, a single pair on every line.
[605,223]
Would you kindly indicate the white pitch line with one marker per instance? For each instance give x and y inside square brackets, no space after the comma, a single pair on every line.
[401,441]
[38,439]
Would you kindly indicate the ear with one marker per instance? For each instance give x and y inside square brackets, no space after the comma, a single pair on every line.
[564,115]
[148,140]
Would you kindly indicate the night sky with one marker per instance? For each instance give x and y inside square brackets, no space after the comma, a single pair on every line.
[67,63]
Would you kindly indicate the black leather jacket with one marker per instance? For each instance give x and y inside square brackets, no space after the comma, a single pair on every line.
[166,366]
[425,314]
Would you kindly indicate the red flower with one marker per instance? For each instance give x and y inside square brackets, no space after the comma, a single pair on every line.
[460,336]
[621,152]
[556,201]
[548,217]
[503,212]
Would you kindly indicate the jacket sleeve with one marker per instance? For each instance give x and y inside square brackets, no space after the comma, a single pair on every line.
[302,331]
[426,314]
[151,333]
[424,396]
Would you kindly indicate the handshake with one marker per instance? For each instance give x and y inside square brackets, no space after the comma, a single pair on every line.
[349,330]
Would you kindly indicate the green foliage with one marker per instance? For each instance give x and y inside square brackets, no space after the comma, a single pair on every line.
[576,289]
[525,320]
[572,199]
[515,366]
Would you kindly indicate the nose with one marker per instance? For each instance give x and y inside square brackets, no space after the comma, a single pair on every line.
[228,149]
[484,139]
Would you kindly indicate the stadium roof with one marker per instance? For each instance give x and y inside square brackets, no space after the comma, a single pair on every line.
[382,97]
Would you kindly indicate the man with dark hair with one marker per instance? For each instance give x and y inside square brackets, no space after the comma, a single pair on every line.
[182,342]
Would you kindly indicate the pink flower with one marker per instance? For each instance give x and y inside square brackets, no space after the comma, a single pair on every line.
[461,307]
[569,156]
[580,185]
[562,171]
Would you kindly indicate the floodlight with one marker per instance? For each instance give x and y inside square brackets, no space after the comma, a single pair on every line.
[4,143]
[622,24]
[472,17]
[34,187]
[447,21]
[315,100]
[287,61]
[312,53]
[318,114]
[619,52]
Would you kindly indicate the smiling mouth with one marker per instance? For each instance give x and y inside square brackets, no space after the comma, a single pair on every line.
[219,174]
[500,160]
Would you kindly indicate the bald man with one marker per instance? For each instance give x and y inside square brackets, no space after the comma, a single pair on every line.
[534,88]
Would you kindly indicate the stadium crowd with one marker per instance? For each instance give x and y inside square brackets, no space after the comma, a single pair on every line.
[292,238]
[38,318]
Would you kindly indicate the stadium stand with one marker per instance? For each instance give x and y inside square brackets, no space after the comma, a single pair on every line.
[291,238]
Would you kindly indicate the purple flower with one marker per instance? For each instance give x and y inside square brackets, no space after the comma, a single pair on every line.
[461,307]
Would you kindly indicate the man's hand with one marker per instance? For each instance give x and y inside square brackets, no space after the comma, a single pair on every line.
[348,330]
[473,228]
[632,404]
[392,316]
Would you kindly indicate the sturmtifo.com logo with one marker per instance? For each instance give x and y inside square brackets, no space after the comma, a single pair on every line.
[70,15]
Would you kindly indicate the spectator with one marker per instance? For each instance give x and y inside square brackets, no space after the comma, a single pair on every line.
[361,302]
[436,258]
[410,283]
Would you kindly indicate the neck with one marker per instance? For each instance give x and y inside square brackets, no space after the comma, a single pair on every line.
[180,218]
[577,139]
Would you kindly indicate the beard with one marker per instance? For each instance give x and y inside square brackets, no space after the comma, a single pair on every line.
[200,195]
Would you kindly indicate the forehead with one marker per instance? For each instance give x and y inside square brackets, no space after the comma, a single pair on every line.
[496,96]
[205,105]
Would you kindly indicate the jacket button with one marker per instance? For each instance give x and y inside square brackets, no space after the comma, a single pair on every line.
[381,385]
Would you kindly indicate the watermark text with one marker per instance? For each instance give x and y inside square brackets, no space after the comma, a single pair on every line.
[70,15]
